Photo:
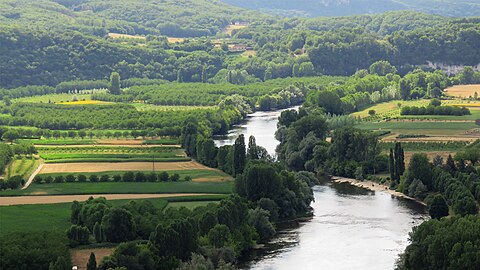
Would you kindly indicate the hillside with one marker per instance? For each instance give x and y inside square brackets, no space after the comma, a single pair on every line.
[315,8]
[184,18]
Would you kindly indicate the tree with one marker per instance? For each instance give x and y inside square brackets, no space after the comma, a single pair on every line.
[60,264]
[118,225]
[372,112]
[218,235]
[259,219]
[450,165]
[382,68]
[252,148]
[92,262]
[391,165]
[435,102]
[114,85]
[239,155]
[438,208]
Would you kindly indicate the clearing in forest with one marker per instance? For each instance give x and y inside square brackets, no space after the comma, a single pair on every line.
[115,35]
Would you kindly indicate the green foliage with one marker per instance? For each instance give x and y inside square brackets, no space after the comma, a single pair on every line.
[438,207]
[26,250]
[445,244]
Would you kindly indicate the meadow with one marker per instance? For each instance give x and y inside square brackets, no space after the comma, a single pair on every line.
[224,187]
[56,217]
[420,127]
[23,166]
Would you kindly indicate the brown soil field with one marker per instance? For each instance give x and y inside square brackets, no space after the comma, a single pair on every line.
[121,166]
[19,200]
[430,155]
[463,91]
[80,256]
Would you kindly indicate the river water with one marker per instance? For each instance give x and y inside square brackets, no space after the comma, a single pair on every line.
[352,228]
[262,125]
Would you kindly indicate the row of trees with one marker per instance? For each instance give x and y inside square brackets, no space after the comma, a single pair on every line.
[435,110]
[126,177]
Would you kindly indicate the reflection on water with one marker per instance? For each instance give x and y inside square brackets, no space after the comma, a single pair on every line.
[352,228]
[262,125]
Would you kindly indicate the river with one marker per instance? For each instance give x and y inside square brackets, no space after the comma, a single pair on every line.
[262,125]
[352,228]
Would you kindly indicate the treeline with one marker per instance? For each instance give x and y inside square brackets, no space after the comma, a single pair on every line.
[125,177]
[6,154]
[450,243]
[435,110]
[266,96]
[119,117]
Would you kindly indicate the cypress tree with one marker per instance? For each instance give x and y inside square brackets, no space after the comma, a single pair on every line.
[239,155]
[92,262]
[450,165]
[391,165]
[114,86]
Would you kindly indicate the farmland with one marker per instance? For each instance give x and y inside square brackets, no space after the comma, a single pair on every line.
[463,91]
[110,154]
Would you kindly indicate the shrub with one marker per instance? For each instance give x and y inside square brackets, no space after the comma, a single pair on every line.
[140,177]
[152,177]
[117,178]
[38,179]
[175,177]
[188,178]
[70,178]
[128,177]
[104,178]
[59,179]
[163,176]
[93,178]
[81,178]
[48,179]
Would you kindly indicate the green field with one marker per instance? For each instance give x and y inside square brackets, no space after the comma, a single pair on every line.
[53,98]
[111,154]
[59,142]
[426,128]
[391,109]
[50,217]
[23,166]
[224,187]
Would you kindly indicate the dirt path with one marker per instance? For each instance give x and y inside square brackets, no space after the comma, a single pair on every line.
[18,200]
[374,187]
[87,167]
[32,176]
[80,256]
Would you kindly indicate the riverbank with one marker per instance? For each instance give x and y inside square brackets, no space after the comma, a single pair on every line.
[373,186]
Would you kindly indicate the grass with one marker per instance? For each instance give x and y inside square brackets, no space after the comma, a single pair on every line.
[59,141]
[53,98]
[167,141]
[125,36]
[392,110]
[150,107]
[427,128]
[191,204]
[85,102]
[225,187]
[50,217]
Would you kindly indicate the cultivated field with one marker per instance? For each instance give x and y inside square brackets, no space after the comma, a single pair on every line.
[121,166]
[463,91]
[111,154]
[175,40]
[85,102]
[54,98]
